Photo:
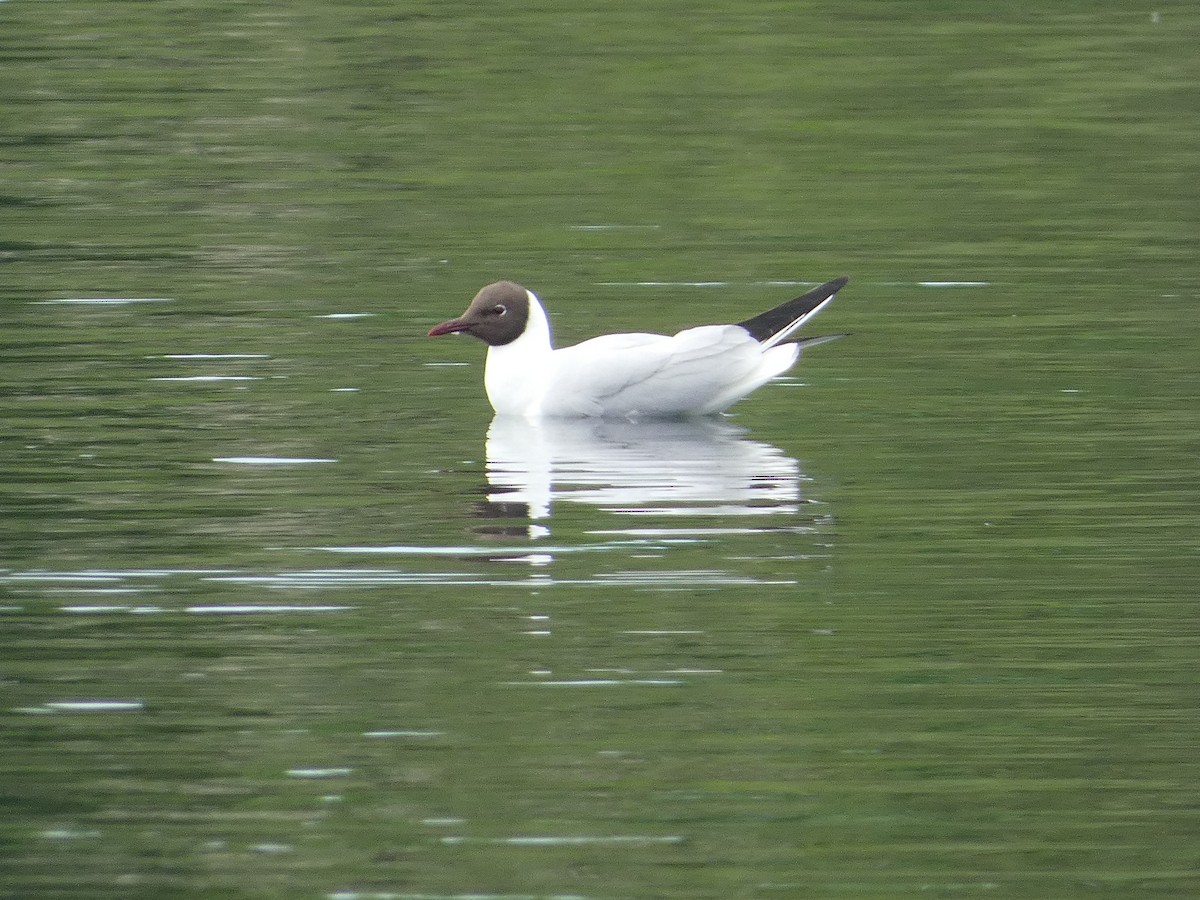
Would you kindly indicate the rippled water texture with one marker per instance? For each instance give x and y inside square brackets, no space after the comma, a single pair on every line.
[285,613]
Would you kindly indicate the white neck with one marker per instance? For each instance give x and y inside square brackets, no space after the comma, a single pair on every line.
[517,373]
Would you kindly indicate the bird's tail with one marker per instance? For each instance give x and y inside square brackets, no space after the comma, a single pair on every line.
[775,325]
[805,343]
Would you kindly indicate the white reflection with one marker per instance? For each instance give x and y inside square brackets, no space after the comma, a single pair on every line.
[687,468]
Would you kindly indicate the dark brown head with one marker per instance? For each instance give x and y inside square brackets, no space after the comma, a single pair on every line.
[496,316]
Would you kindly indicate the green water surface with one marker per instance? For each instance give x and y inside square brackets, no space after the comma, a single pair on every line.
[939,640]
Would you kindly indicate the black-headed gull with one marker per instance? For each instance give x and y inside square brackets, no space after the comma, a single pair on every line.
[699,371]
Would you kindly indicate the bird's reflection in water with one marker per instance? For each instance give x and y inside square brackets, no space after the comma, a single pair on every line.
[703,467]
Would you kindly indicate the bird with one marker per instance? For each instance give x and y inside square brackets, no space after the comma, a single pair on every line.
[700,371]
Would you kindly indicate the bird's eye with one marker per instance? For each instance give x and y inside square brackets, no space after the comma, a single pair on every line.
[499,309]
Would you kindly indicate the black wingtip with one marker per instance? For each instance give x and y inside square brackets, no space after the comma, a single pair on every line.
[766,325]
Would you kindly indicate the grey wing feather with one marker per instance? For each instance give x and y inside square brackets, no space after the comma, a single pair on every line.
[671,374]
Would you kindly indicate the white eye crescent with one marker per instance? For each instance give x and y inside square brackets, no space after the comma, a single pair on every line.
[499,309]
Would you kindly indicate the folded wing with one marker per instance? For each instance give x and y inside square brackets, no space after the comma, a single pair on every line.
[697,371]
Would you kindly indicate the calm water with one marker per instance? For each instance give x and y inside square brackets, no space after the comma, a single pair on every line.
[284,613]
